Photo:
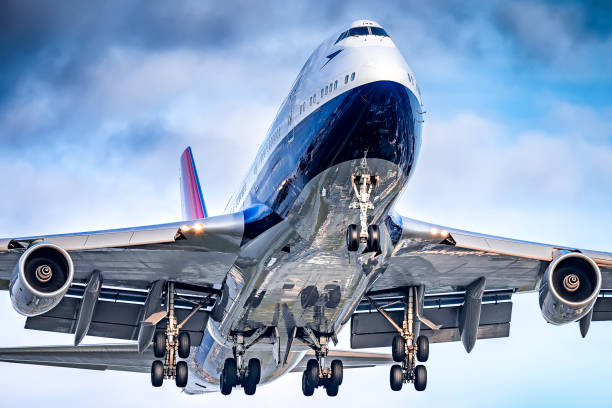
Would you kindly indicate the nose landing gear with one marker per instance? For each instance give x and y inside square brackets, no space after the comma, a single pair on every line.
[363,182]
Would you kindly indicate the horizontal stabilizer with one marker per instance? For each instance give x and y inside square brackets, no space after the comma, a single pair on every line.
[119,357]
[350,359]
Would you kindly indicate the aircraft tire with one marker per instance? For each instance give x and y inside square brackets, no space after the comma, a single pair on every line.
[422,348]
[352,238]
[312,372]
[182,374]
[332,389]
[420,378]
[159,344]
[157,373]
[396,377]
[398,348]
[337,372]
[307,389]
[184,344]
[373,239]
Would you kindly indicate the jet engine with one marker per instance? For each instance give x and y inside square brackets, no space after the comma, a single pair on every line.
[569,288]
[41,279]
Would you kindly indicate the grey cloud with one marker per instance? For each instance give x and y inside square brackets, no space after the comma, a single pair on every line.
[545,31]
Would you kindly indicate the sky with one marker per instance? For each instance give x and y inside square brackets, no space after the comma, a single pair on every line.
[98,100]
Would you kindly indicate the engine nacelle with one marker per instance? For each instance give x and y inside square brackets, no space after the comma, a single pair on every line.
[40,279]
[569,288]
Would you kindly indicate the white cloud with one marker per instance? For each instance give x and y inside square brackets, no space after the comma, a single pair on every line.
[477,174]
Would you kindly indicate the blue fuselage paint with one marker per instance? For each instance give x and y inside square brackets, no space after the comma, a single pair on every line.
[376,121]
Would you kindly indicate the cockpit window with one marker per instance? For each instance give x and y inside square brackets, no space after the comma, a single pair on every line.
[379,31]
[358,31]
[342,37]
[355,31]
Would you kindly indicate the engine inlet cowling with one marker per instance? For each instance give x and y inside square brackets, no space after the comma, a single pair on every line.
[569,288]
[40,279]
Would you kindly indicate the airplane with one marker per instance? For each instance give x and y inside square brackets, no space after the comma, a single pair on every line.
[309,243]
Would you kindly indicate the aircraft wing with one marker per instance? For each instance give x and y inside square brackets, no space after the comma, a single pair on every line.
[451,266]
[132,265]
[448,259]
[197,251]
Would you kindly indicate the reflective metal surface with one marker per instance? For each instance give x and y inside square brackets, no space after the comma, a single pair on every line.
[564,299]
[34,291]
[281,259]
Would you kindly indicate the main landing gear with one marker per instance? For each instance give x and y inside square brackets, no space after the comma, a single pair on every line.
[236,372]
[363,182]
[171,345]
[408,347]
[316,373]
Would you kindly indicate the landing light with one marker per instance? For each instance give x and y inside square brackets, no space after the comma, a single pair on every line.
[185,228]
[444,233]
[434,231]
[198,227]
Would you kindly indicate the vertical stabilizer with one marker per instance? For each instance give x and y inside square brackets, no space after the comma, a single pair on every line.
[191,192]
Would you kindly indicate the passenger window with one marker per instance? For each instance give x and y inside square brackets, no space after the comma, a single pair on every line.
[346,79]
[325,89]
[353,76]
[322,92]
[336,84]
[331,87]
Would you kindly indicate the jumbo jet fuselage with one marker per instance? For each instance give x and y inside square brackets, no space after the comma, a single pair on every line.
[354,109]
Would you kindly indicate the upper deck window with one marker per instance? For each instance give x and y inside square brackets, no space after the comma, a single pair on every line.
[379,31]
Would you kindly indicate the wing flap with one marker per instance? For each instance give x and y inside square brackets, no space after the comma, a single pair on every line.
[118,319]
[372,330]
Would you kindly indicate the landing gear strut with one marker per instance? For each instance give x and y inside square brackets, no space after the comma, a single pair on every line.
[316,373]
[363,182]
[171,344]
[235,372]
[407,347]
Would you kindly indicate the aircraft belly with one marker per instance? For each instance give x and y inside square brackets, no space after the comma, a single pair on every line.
[318,255]
[307,249]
